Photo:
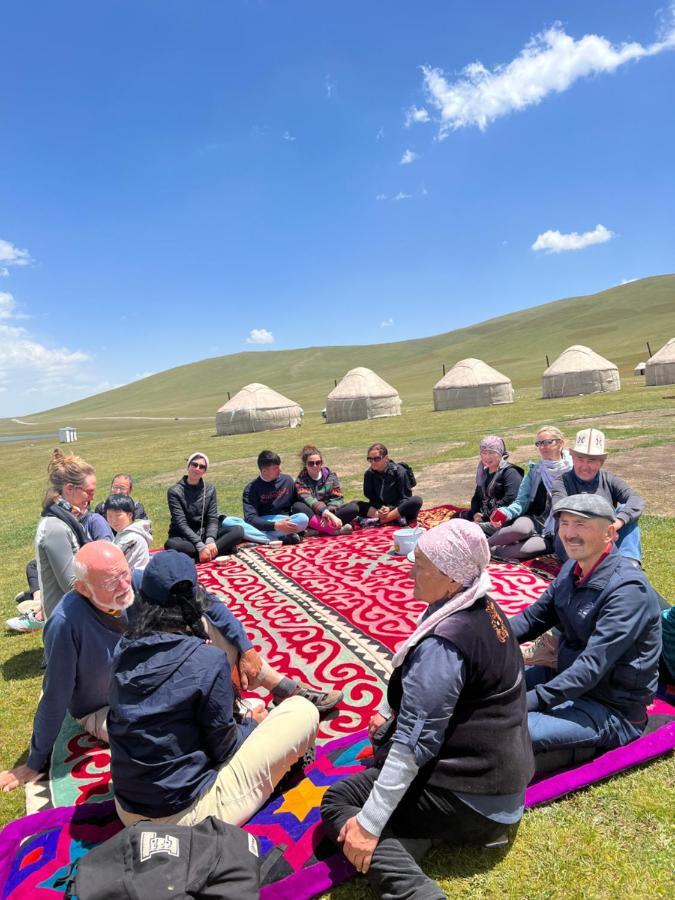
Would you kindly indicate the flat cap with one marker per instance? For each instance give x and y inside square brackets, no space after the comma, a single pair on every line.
[588,506]
[164,571]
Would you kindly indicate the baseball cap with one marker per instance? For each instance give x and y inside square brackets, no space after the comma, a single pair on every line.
[165,570]
[590,441]
[588,506]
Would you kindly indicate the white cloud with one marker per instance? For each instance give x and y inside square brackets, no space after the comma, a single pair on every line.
[387,323]
[379,135]
[415,115]
[380,196]
[408,157]
[288,136]
[555,242]
[260,336]
[19,350]
[7,305]
[330,85]
[12,256]
[549,63]
[402,196]
[3,272]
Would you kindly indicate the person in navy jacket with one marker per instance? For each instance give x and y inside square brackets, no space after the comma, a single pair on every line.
[608,615]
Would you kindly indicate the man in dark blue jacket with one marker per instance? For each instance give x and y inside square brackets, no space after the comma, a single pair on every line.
[608,615]
[80,639]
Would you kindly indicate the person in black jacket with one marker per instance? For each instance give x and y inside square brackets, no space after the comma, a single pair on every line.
[452,751]
[497,483]
[180,751]
[194,528]
[387,486]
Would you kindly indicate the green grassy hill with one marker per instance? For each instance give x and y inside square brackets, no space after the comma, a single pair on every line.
[616,323]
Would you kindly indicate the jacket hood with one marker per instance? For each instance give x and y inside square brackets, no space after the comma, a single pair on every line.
[142,527]
[143,664]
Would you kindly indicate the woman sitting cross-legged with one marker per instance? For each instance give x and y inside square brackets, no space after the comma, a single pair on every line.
[320,496]
[497,483]
[194,528]
[457,756]
[521,536]
[388,487]
[179,751]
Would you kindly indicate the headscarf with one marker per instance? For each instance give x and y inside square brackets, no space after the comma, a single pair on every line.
[494,444]
[458,549]
[548,470]
[193,456]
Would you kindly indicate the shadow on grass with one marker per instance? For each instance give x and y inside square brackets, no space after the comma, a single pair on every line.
[24,665]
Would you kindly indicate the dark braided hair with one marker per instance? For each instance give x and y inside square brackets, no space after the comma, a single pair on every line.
[184,612]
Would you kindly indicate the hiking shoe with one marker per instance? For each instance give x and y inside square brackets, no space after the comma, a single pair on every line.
[25,622]
[290,539]
[323,700]
[346,529]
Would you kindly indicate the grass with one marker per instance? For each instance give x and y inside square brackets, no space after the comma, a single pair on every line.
[613,840]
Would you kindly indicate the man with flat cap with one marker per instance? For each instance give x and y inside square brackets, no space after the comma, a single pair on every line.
[608,616]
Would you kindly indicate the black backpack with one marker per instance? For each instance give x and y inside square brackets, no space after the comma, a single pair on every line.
[412,481]
[148,861]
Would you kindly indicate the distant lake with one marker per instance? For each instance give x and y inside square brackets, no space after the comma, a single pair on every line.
[35,437]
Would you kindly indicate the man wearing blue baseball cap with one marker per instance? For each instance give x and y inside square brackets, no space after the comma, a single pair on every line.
[608,616]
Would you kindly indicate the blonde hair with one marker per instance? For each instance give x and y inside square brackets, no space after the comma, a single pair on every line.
[63,470]
[551,429]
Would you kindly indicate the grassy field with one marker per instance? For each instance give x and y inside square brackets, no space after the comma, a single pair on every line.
[616,840]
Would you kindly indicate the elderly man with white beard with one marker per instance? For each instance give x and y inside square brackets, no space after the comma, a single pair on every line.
[79,638]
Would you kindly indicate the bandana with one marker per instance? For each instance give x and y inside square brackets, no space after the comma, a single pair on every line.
[458,549]
[493,443]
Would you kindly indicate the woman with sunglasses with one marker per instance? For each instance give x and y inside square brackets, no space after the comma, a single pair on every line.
[521,536]
[60,534]
[320,496]
[194,528]
[387,486]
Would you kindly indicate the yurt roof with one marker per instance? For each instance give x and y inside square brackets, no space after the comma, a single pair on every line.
[471,372]
[257,396]
[362,382]
[666,354]
[578,359]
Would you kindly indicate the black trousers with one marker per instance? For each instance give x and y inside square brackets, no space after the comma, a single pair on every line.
[345,513]
[422,815]
[32,577]
[408,508]
[226,540]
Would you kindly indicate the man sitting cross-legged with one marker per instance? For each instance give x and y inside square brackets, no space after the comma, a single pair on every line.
[588,477]
[81,636]
[180,750]
[608,615]
[267,502]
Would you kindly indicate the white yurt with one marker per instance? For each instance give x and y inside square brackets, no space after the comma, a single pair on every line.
[579,370]
[660,368]
[257,408]
[362,394]
[640,368]
[471,382]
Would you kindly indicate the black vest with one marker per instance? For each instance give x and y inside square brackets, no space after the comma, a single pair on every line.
[487,748]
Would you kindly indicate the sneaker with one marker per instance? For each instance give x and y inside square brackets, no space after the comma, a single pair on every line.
[25,622]
[346,529]
[290,539]
[22,596]
[323,700]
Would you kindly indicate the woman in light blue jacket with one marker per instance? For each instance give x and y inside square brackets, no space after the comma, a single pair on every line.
[525,528]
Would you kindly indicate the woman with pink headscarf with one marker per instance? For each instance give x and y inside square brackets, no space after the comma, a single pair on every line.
[497,483]
[453,754]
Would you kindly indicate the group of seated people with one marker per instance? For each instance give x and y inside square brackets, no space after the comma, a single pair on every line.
[148,661]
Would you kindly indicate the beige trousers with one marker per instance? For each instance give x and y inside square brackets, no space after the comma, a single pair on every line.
[96,723]
[247,780]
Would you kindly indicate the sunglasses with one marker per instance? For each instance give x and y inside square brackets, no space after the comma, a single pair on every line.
[374,458]
[311,462]
[547,443]
[196,465]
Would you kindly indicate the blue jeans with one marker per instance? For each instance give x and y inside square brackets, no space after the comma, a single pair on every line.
[575,723]
[251,533]
[299,519]
[628,543]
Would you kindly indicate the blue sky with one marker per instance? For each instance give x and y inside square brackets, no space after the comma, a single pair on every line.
[184,180]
